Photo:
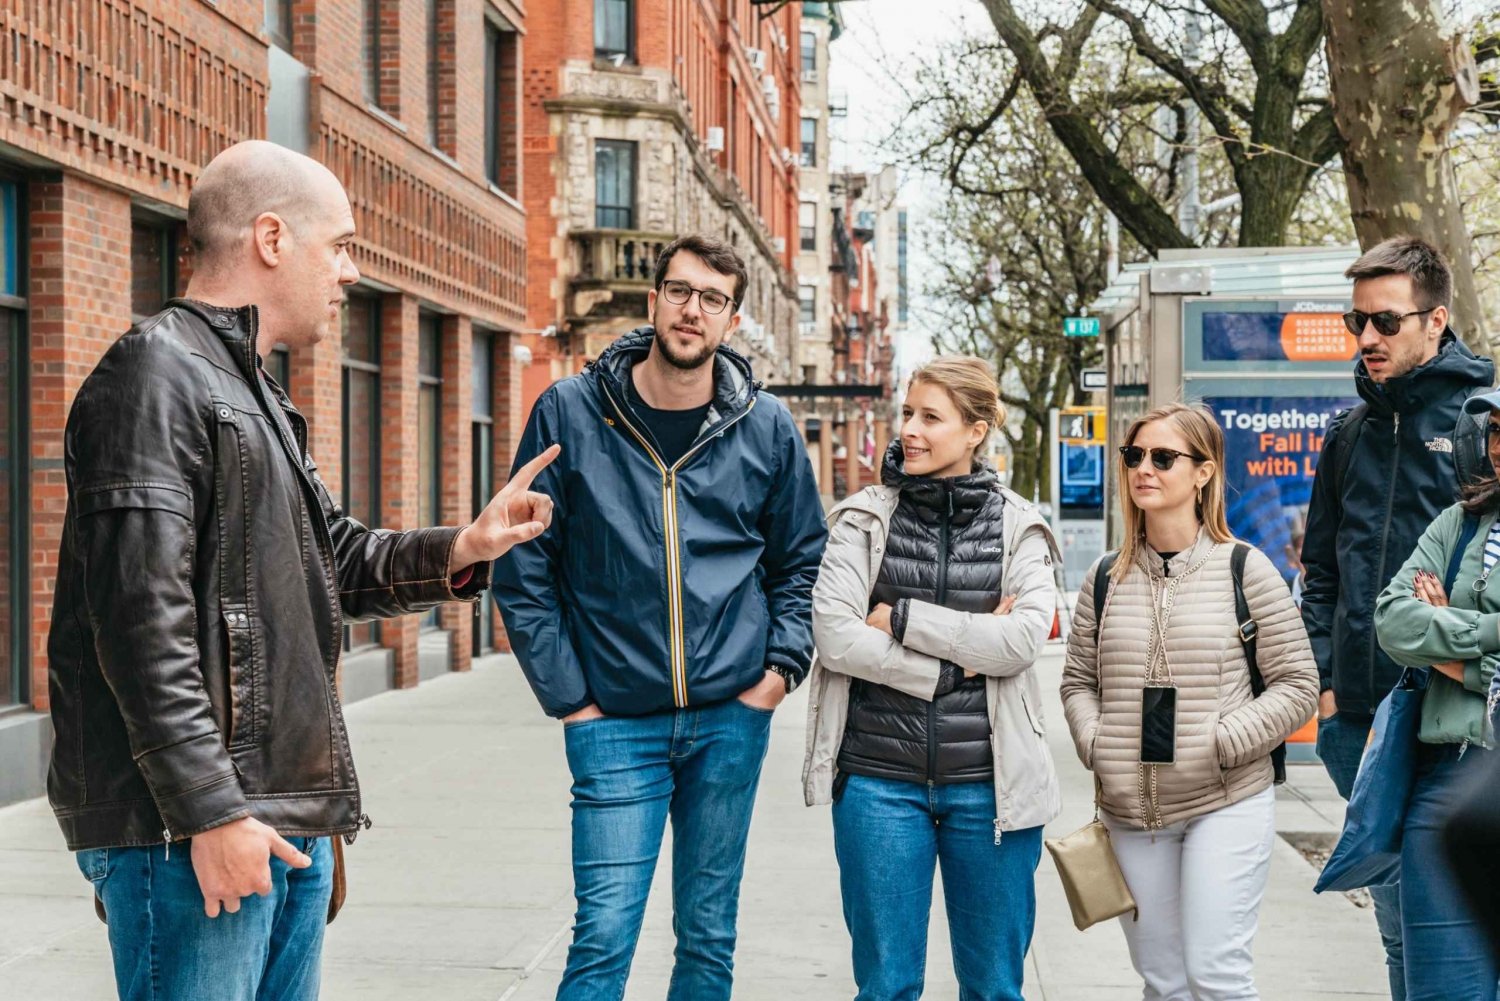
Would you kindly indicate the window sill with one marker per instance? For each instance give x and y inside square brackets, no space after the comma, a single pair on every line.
[386,118]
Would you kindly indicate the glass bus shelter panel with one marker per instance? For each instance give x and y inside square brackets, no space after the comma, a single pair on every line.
[1273,437]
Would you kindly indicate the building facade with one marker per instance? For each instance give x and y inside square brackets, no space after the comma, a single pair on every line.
[644,120]
[110,109]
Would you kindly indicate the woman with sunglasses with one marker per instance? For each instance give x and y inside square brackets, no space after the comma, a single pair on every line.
[1158,697]
[1420,624]
[934,599]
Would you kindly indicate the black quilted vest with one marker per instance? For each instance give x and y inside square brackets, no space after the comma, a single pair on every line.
[945,548]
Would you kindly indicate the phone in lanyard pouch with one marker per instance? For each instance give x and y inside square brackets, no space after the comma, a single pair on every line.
[1158,725]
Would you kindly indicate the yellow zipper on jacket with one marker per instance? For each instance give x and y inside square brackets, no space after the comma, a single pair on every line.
[676,638]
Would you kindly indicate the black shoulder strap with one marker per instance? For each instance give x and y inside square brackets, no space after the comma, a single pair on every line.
[1248,632]
[1343,448]
[1101,589]
[1465,536]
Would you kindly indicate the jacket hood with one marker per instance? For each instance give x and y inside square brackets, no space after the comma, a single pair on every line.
[734,382]
[1453,369]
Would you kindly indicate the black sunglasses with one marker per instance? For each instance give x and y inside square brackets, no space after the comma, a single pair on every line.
[1162,458]
[1387,323]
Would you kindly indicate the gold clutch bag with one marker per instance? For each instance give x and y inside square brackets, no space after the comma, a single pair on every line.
[1091,875]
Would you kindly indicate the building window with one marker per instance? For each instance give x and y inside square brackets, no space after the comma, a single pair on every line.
[153,266]
[434,63]
[807,298]
[614,30]
[370,34]
[361,452]
[614,184]
[279,367]
[279,22]
[15,538]
[809,142]
[807,225]
[809,56]
[430,429]
[482,458]
[501,137]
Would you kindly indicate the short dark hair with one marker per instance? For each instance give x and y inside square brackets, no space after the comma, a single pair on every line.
[1414,257]
[717,254]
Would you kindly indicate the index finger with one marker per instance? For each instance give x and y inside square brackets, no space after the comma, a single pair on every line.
[527,473]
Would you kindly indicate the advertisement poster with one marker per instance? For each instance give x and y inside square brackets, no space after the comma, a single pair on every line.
[1271,448]
[1287,331]
[1082,479]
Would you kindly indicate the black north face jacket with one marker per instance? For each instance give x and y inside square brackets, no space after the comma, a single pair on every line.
[1400,476]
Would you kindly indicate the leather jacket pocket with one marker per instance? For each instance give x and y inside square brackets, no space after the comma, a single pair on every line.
[244,678]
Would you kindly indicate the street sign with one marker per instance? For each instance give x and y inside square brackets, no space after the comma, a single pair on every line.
[1093,380]
[1081,326]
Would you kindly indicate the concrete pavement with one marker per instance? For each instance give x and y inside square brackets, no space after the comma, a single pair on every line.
[462,890]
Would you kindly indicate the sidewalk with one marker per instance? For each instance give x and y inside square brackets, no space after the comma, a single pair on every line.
[462,889]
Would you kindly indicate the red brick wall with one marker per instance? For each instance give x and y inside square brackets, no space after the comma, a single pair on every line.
[399,341]
[80,303]
[458,484]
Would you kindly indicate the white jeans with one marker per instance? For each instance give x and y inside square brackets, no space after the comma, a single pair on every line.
[1198,885]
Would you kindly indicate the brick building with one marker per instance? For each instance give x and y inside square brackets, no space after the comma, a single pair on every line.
[108,109]
[645,119]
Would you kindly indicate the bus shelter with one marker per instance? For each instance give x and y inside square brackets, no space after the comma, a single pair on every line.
[1258,337]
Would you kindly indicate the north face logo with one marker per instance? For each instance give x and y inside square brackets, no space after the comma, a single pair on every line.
[1440,445]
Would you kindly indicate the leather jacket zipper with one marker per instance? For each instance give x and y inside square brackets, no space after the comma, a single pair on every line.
[324,539]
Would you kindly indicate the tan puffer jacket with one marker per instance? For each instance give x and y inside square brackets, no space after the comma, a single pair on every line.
[1224,735]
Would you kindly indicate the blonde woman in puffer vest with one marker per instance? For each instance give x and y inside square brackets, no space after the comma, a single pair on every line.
[1193,836]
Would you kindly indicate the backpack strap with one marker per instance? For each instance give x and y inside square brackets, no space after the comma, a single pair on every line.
[1248,632]
[1343,448]
[1465,536]
[1101,589]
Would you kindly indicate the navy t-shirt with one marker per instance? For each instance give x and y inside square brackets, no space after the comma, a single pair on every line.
[672,431]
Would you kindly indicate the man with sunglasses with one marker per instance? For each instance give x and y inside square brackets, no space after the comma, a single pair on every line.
[1386,470]
[665,614]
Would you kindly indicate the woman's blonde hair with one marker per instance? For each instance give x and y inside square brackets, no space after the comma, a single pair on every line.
[1204,437]
[970,384]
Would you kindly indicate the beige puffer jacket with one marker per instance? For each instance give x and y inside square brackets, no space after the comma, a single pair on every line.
[1224,735]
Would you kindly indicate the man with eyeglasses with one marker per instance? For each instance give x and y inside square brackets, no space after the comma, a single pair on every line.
[665,614]
[1387,468]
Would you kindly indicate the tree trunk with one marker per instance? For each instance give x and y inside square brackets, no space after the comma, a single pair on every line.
[1400,82]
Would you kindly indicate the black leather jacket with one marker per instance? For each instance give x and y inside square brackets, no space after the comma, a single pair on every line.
[944,547]
[204,581]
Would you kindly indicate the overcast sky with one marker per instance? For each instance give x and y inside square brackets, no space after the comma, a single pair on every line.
[883,40]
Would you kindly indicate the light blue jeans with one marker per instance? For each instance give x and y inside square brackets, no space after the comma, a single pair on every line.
[166,948]
[700,767]
[889,836]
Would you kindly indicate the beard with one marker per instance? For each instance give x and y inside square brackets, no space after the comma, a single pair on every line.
[687,361]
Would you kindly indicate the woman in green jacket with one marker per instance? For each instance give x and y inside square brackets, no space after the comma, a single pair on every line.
[1458,636]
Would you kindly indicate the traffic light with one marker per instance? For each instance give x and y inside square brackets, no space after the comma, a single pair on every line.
[1081,425]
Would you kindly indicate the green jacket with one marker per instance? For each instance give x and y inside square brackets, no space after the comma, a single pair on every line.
[1415,634]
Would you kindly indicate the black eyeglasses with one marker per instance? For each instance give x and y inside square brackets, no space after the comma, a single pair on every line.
[1387,323]
[712,300]
[1162,458]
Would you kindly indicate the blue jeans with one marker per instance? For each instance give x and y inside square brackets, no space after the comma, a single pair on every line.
[1341,744]
[166,949]
[1449,958]
[888,834]
[698,766]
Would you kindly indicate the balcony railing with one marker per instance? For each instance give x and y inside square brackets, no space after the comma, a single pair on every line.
[612,256]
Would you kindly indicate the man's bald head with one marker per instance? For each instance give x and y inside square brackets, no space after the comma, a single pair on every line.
[242,183]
